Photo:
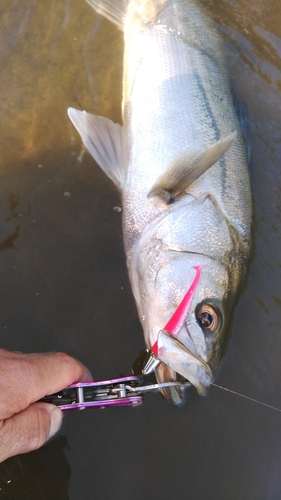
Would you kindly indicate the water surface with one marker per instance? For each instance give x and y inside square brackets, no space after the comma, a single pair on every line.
[64,283]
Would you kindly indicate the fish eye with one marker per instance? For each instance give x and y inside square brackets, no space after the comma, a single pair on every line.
[208,317]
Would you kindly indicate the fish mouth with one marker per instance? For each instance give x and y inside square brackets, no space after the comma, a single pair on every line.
[177,359]
[174,395]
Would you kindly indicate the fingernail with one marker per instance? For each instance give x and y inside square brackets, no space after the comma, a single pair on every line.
[56,421]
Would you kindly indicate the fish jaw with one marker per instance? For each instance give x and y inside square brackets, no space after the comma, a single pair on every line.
[174,353]
[177,358]
[184,362]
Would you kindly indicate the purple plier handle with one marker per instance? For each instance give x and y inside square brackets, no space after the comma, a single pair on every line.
[112,392]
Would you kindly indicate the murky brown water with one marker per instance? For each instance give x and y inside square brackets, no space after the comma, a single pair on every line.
[64,283]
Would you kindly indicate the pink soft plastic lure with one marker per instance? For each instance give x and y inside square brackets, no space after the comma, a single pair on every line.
[177,320]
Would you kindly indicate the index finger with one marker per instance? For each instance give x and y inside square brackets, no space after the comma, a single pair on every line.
[26,378]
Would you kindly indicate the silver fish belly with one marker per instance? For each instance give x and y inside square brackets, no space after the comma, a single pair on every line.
[179,161]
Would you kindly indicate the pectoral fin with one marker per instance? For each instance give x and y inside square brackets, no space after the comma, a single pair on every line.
[104,140]
[185,169]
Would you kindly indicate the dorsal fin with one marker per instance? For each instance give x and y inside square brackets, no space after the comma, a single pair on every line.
[104,140]
[186,168]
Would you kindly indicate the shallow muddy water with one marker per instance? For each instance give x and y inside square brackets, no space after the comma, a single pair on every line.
[64,283]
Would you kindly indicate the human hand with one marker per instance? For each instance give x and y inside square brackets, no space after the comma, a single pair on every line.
[24,379]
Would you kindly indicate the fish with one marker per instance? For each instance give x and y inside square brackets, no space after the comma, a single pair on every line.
[180,164]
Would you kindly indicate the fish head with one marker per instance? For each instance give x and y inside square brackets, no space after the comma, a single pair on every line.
[195,351]
[165,271]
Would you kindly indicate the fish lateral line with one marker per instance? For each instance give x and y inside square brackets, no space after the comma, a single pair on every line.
[247,397]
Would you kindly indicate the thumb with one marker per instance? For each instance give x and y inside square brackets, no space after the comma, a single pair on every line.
[29,429]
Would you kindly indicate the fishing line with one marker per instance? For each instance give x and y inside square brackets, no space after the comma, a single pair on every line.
[247,397]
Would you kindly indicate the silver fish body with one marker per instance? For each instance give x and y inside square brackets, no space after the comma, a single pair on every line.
[176,106]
